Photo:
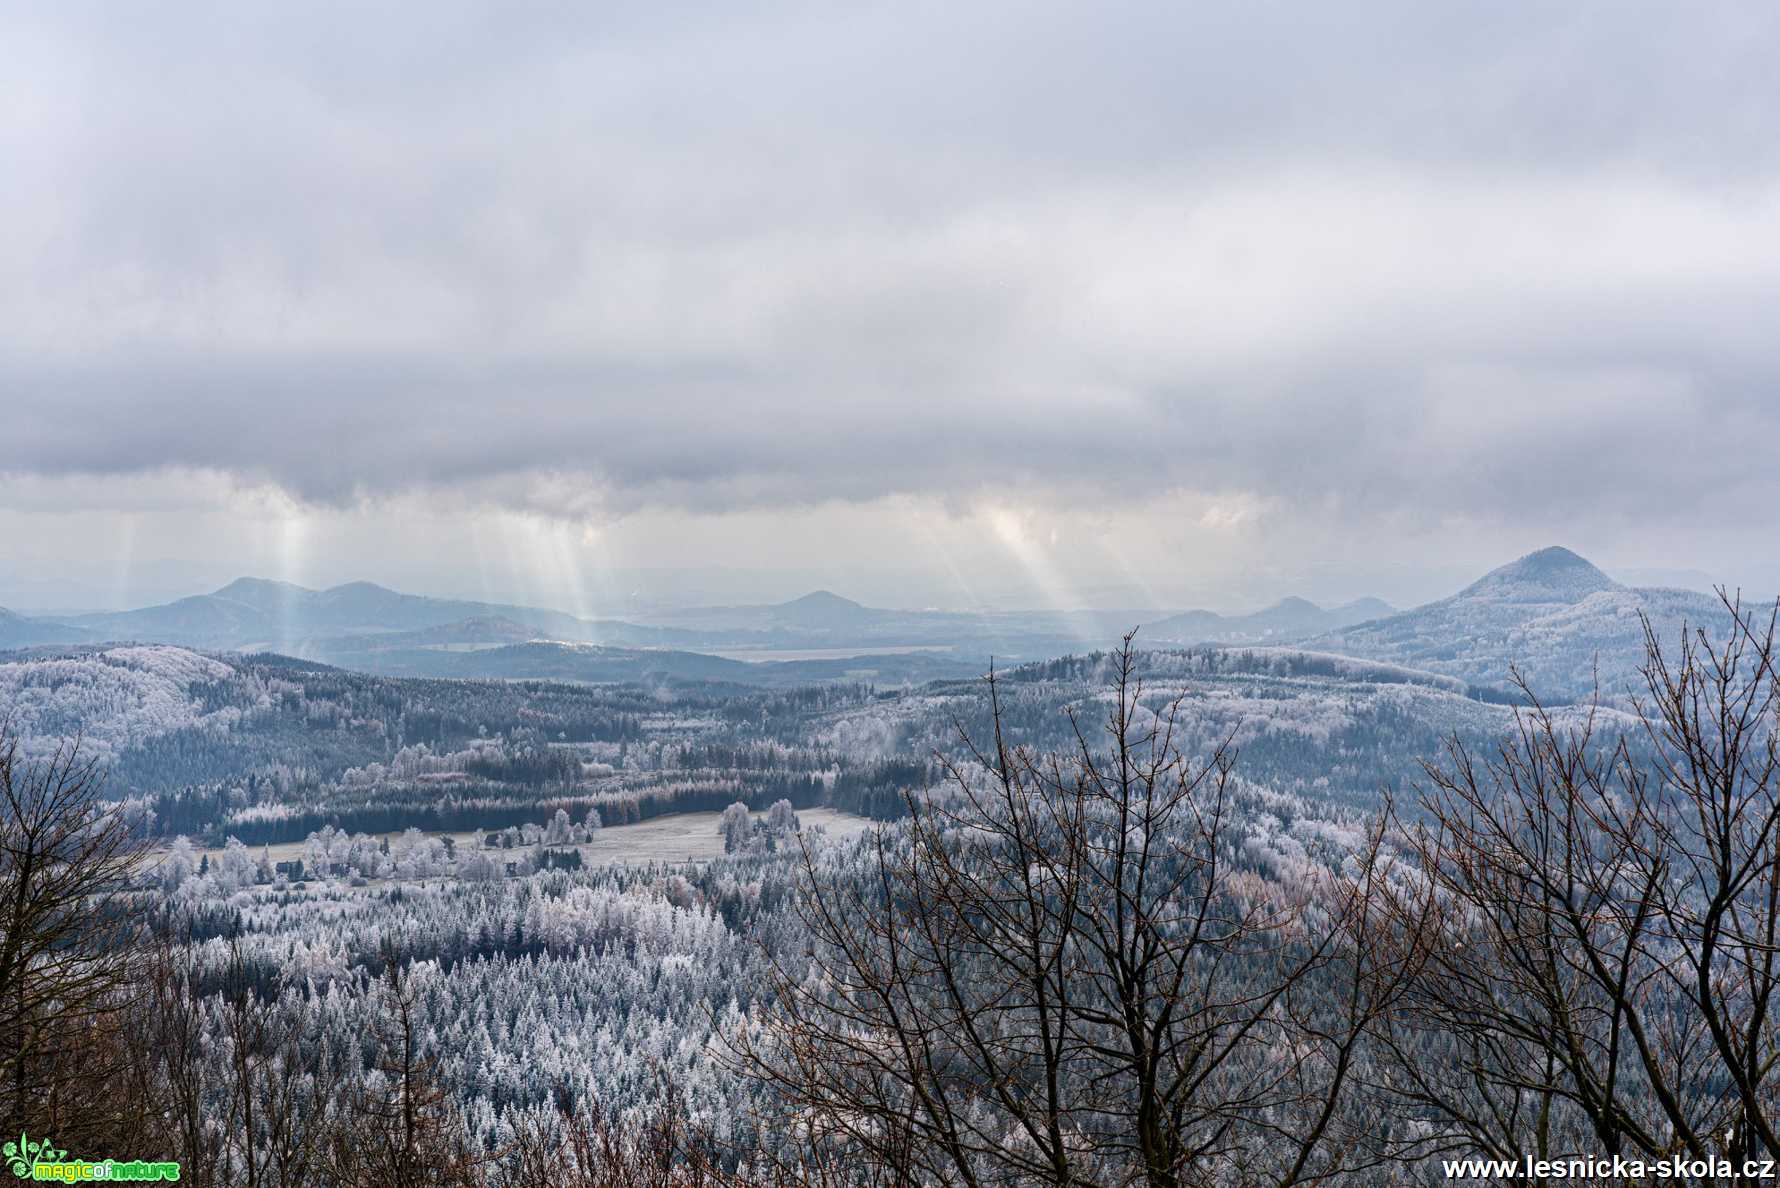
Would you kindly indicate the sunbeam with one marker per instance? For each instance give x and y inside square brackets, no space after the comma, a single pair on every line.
[1011,528]
[293,540]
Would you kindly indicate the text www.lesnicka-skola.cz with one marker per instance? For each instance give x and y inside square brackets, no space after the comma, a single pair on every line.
[1680,1168]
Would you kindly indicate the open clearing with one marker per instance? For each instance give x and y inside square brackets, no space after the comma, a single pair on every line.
[676,837]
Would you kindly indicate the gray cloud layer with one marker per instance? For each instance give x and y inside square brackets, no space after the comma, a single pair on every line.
[1473,260]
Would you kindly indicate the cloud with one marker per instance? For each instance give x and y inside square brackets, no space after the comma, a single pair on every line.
[1465,263]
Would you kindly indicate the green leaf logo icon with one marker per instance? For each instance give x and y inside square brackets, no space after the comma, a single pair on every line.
[18,1157]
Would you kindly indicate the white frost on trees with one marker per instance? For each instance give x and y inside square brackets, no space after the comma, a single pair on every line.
[734,827]
[781,818]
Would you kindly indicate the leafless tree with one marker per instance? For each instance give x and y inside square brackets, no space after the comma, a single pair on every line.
[660,1146]
[585,1147]
[66,947]
[1060,976]
[399,1130]
[276,1089]
[168,1038]
[1597,918]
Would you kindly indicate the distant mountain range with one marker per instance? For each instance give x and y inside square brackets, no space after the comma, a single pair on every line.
[254,613]
[367,626]
[1287,620]
[1551,612]
[17,631]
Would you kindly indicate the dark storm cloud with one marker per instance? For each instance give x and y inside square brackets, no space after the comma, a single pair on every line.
[1467,258]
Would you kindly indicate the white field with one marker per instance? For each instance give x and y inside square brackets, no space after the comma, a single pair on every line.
[676,837]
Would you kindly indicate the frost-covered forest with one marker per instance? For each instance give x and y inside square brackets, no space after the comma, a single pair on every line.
[265,749]
[990,595]
[350,892]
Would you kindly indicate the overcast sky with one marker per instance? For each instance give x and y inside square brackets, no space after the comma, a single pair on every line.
[1126,303]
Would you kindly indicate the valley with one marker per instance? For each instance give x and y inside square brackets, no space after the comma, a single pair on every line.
[595,862]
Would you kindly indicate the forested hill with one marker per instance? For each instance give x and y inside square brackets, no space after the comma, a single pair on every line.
[1333,731]
[1551,614]
[268,749]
